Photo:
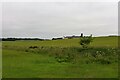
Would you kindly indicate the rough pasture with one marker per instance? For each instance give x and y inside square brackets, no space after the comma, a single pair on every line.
[60,59]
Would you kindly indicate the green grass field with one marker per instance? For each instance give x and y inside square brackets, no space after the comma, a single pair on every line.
[60,59]
[98,42]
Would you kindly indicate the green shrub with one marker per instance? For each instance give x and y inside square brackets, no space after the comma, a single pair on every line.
[85,41]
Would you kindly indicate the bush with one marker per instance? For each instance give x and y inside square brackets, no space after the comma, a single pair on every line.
[85,41]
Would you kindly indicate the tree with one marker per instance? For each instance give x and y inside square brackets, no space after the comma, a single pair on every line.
[85,41]
[81,35]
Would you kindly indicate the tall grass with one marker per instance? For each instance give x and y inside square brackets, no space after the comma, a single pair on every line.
[74,54]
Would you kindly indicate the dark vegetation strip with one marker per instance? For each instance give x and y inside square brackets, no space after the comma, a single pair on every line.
[74,54]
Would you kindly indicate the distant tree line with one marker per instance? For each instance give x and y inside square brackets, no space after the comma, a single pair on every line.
[57,38]
[60,38]
[14,39]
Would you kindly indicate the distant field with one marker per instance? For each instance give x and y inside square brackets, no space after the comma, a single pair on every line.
[60,59]
[98,42]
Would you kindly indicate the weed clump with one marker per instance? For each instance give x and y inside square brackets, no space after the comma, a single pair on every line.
[102,56]
[64,57]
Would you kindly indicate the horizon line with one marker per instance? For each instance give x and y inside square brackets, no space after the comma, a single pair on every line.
[63,36]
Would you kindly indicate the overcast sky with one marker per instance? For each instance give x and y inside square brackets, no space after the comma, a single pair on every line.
[57,19]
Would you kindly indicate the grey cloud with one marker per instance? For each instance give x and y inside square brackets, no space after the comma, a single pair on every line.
[47,20]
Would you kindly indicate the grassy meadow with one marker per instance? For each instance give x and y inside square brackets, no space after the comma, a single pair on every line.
[98,42]
[60,59]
